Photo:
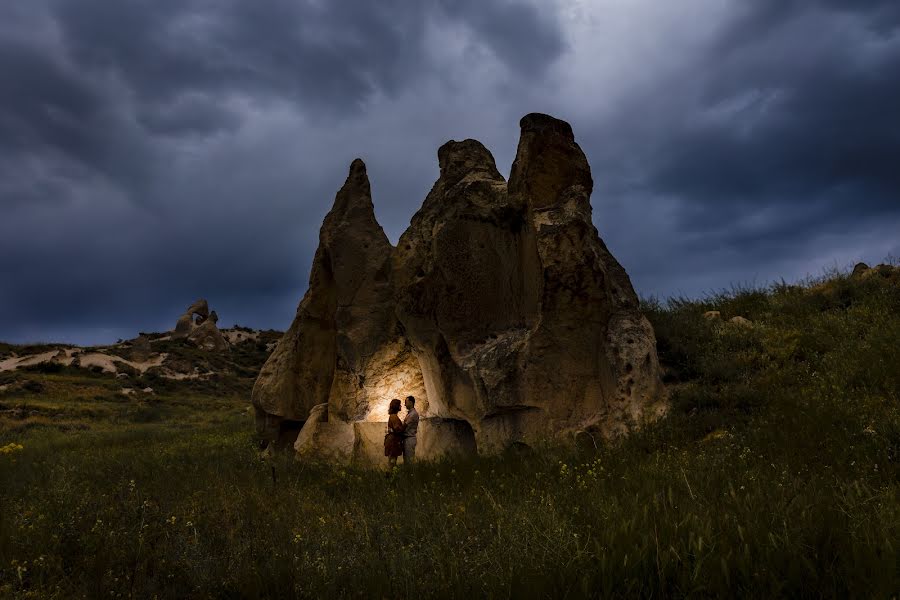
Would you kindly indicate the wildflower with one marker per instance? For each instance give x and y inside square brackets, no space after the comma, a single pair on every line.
[11,448]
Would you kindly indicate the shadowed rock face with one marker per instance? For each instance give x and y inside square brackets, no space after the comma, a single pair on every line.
[500,309]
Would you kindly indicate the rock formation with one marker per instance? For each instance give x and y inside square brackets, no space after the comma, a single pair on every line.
[862,271]
[741,322]
[206,335]
[198,326]
[186,323]
[500,309]
[345,348]
[859,269]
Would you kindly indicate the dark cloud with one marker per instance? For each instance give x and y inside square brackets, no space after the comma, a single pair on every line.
[48,112]
[786,130]
[328,57]
[152,152]
[155,151]
[325,57]
[517,33]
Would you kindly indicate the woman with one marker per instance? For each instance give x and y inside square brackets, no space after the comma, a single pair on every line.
[393,439]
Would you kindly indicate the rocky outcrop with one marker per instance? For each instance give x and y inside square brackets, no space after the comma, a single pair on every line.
[859,269]
[199,310]
[199,326]
[741,322]
[207,336]
[500,309]
[862,271]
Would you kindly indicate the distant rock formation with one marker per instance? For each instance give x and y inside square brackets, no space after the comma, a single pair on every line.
[863,271]
[186,322]
[500,309]
[859,269]
[741,322]
[206,335]
[198,325]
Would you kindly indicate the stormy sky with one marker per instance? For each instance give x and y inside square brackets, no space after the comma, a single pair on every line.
[157,151]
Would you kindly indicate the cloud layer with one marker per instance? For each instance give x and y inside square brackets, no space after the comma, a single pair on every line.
[152,152]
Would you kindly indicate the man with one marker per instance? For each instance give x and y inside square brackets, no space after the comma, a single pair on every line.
[411,423]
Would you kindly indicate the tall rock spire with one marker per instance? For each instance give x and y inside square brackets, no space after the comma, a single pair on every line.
[348,276]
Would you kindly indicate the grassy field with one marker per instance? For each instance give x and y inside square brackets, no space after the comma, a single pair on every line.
[776,473]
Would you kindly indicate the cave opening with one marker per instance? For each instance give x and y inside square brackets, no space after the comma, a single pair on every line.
[288,430]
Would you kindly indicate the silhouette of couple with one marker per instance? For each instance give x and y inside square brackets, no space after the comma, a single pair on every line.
[401,435]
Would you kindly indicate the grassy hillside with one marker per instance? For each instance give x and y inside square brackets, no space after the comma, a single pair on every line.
[67,398]
[776,473]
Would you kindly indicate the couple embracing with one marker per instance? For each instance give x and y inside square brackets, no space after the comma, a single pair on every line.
[401,435]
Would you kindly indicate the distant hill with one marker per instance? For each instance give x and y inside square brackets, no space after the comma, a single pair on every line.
[163,356]
[143,379]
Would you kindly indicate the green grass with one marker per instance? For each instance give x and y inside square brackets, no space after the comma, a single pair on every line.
[776,473]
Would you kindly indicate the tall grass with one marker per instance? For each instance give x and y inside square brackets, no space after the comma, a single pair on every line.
[776,473]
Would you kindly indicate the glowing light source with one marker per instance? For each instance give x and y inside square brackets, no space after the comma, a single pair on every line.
[400,381]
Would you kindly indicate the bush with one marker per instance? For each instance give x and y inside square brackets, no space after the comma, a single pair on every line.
[44,367]
[33,386]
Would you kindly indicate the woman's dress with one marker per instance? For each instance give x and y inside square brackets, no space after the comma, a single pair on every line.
[393,440]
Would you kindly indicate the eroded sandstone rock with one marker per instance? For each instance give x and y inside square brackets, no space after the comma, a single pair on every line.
[741,322]
[198,326]
[207,336]
[500,309]
[345,347]
[186,323]
[859,268]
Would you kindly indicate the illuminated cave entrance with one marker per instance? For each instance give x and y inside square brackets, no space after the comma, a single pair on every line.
[329,435]
[437,437]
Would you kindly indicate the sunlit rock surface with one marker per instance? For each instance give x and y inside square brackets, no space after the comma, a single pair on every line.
[500,309]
